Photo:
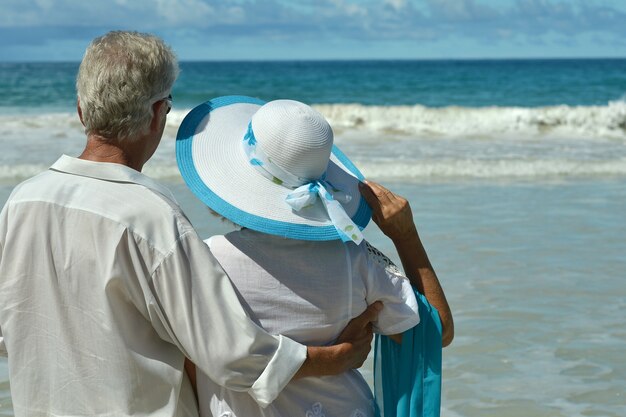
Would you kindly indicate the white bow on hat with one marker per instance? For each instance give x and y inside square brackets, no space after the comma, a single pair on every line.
[306,190]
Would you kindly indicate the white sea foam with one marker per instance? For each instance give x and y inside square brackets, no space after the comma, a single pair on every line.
[400,143]
[499,169]
[418,171]
[12,174]
[54,124]
[569,121]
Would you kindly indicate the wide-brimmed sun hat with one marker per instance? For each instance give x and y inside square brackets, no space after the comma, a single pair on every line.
[271,167]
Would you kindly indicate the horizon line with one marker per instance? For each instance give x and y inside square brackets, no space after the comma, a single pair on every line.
[278,60]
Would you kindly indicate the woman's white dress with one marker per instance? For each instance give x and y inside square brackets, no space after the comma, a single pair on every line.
[308,291]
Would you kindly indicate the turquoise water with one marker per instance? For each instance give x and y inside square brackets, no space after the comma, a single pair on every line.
[516,173]
[525,83]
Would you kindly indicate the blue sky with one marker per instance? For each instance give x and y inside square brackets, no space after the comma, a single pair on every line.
[59,30]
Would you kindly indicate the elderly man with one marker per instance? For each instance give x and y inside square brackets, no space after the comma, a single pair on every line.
[105,287]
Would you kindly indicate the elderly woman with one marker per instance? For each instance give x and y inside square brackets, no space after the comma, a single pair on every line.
[299,262]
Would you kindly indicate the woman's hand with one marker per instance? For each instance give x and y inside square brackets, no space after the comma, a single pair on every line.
[391,212]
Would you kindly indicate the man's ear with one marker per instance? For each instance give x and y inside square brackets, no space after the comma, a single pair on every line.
[155,123]
[80,112]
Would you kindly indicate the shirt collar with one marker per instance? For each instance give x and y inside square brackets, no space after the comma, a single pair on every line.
[108,171]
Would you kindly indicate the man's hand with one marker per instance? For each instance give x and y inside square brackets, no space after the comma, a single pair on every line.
[349,352]
[391,212]
[357,336]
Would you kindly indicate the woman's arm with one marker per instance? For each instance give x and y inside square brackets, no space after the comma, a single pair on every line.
[392,213]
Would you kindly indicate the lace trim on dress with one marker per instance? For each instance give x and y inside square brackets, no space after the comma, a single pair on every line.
[317,410]
[382,260]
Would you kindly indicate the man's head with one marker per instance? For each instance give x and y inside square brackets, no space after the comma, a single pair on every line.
[121,77]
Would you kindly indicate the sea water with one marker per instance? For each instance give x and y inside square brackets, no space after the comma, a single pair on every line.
[516,173]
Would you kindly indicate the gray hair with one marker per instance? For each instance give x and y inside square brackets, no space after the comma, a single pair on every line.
[120,77]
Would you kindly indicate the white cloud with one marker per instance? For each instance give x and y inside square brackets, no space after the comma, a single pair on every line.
[183,12]
[34,22]
[460,9]
[396,4]
[45,4]
[349,9]
[235,14]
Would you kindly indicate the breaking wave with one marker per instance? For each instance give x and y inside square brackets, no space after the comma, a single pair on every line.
[402,143]
[418,171]
[571,121]
[453,121]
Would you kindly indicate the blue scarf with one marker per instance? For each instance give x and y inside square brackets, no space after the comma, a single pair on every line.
[407,376]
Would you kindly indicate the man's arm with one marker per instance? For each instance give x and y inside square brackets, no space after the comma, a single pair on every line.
[195,306]
[392,213]
[349,352]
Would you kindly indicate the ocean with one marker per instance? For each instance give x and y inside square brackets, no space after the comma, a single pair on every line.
[516,173]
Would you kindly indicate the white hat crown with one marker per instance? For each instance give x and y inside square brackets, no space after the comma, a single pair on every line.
[223,149]
[294,137]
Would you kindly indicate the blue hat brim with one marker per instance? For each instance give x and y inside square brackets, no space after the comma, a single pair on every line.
[187,168]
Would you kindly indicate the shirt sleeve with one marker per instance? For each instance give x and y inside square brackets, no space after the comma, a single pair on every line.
[385,282]
[3,348]
[197,308]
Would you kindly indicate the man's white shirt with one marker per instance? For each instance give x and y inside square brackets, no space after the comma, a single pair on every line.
[105,287]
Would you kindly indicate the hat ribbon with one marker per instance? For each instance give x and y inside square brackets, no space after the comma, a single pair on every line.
[305,191]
